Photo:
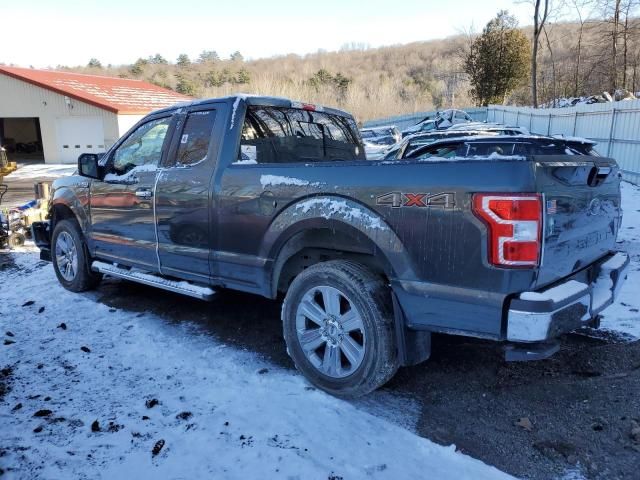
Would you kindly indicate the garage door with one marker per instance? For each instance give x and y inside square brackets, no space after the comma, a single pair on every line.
[78,135]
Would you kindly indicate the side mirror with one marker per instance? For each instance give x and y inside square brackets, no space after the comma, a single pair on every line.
[88,166]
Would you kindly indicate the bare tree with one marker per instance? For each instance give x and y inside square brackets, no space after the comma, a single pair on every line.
[614,44]
[540,16]
[628,32]
[554,82]
[579,6]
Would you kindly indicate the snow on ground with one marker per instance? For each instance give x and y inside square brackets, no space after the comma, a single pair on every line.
[41,170]
[624,315]
[208,410]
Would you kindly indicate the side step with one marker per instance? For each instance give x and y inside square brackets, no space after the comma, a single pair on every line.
[177,286]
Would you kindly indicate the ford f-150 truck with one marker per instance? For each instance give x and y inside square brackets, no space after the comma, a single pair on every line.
[504,238]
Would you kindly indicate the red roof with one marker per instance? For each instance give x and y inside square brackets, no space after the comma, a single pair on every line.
[118,95]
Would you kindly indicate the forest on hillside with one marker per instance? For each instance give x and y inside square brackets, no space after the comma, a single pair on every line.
[585,47]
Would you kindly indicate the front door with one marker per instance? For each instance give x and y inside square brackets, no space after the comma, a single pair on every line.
[121,206]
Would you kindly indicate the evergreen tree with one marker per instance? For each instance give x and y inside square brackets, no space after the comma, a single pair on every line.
[183,60]
[138,67]
[158,59]
[243,76]
[95,63]
[208,56]
[186,86]
[498,60]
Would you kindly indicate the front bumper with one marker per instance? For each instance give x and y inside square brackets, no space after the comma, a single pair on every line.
[544,315]
[41,234]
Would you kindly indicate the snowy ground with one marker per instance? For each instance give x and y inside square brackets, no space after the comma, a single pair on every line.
[205,408]
[215,411]
[624,316]
[39,171]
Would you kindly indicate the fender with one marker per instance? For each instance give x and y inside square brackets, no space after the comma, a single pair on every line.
[73,193]
[339,214]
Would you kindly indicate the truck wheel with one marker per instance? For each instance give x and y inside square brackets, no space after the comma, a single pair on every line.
[338,325]
[71,260]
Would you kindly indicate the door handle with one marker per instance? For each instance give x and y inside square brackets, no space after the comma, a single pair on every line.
[144,193]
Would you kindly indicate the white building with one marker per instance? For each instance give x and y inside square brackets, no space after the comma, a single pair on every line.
[56,116]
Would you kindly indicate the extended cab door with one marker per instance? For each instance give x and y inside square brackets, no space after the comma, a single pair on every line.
[121,206]
[184,194]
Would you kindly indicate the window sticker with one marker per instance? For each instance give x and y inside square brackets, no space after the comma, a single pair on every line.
[185,138]
[248,152]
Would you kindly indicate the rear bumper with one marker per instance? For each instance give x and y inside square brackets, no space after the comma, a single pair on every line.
[41,233]
[543,315]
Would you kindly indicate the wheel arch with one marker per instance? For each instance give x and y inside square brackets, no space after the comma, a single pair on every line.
[66,204]
[332,227]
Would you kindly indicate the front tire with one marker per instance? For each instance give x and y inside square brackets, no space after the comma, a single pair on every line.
[338,326]
[71,260]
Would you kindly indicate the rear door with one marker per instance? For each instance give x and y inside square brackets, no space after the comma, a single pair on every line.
[582,211]
[121,206]
[184,201]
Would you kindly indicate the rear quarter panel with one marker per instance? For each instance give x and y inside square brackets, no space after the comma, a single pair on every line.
[434,244]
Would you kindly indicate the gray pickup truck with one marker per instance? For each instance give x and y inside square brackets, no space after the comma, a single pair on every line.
[504,238]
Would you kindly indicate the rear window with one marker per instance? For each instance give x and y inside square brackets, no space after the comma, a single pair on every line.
[290,135]
[577,148]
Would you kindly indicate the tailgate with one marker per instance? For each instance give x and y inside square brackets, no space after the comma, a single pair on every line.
[581,212]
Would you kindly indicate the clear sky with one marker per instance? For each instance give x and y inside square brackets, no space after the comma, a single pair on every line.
[69,32]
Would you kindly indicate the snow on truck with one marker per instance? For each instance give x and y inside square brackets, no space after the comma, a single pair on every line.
[504,238]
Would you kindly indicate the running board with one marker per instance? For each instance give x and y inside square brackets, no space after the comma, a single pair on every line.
[177,286]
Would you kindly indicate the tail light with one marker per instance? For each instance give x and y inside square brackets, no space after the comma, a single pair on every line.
[515,225]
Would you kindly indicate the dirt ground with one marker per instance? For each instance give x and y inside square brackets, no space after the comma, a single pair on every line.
[573,412]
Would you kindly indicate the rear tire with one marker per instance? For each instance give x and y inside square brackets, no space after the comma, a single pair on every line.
[338,326]
[70,257]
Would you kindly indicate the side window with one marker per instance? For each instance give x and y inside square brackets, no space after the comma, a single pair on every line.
[142,147]
[195,138]
[293,135]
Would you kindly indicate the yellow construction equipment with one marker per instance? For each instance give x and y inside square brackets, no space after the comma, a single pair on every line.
[6,167]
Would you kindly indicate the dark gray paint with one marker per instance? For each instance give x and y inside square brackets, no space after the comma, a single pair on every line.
[436,257]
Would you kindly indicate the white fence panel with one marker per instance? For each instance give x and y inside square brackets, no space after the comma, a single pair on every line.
[615,126]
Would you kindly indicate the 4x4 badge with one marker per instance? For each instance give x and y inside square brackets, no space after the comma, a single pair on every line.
[401,199]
